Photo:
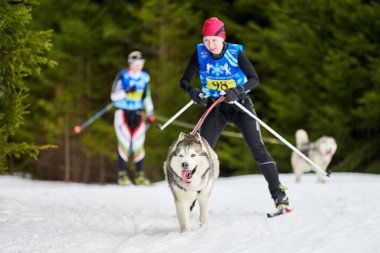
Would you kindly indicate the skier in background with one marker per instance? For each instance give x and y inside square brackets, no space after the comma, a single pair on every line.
[131,96]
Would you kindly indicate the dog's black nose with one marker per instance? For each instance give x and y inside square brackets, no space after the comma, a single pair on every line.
[185,165]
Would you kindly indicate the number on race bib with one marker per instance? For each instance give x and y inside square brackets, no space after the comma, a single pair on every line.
[135,95]
[220,84]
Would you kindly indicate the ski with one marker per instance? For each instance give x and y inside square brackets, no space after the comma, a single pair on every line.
[279,212]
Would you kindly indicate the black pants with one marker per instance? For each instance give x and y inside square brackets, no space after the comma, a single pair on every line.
[133,118]
[228,113]
[123,165]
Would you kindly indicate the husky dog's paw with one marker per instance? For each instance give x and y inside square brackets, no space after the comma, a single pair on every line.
[185,229]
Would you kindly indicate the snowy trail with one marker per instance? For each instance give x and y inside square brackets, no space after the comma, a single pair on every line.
[342,215]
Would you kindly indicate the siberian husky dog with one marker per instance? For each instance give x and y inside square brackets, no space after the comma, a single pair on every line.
[320,152]
[191,169]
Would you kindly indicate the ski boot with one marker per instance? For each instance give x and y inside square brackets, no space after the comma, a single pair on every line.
[123,179]
[281,200]
[140,179]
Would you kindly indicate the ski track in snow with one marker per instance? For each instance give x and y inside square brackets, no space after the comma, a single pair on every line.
[342,215]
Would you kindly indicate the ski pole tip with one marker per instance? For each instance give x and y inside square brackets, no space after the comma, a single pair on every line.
[77,129]
[159,126]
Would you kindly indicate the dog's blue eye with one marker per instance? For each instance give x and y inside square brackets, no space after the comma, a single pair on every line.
[192,155]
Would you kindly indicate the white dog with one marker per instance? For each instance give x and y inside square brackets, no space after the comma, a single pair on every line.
[320,152]
[191,169]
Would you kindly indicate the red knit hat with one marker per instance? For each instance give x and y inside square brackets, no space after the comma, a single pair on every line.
[214,27]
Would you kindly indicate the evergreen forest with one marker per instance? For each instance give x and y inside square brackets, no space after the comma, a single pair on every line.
[318,64]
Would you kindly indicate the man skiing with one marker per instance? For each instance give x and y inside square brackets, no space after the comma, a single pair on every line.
[131,95]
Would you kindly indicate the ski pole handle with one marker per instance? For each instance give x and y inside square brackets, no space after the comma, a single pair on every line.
[280,138]
[176,115]
[78,129]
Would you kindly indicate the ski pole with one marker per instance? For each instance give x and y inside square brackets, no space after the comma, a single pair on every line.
[280,138]
[78,129]
[175,115]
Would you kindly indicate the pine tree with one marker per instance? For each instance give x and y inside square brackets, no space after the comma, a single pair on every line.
[88,46]
[324,75]
[22,54]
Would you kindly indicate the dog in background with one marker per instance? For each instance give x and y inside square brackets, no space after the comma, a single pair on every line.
[320,152]
[191,169]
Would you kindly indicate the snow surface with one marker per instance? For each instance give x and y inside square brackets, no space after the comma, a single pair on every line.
[342,215]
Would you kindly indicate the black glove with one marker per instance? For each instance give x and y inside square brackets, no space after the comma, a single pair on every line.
[195,95]
[131,89]
[233,94]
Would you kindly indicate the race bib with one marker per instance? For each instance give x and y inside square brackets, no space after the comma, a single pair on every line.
[135,95]
[220,84]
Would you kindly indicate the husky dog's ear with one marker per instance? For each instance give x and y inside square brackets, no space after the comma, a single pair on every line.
[198,136]
[203,142]
[181,136]
[174,145]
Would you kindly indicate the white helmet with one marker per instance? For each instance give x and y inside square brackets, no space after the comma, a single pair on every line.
[135,57]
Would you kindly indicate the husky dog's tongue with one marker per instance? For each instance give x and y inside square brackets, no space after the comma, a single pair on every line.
[187,175]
